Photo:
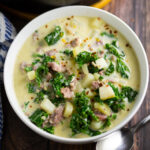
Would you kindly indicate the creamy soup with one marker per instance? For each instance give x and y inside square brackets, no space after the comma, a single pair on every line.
[76,77]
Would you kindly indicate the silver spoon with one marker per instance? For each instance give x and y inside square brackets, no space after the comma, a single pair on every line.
[121,139]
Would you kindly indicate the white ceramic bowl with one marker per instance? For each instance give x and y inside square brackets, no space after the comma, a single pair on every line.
[76,11]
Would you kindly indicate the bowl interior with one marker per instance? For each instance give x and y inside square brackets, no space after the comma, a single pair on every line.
[76,11]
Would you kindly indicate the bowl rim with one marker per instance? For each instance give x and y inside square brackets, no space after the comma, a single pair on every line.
[73,140]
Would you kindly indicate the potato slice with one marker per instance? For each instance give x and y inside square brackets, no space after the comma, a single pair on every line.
[89,93]
[96,76]
[100,63]
[103,108]
[76,51]
[85,69]
[87,80]
[106,92]
[78,88]
[68,109]
[47,106]
[95,125]
[31,75]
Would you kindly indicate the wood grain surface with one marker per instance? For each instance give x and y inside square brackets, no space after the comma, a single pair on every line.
[17,136]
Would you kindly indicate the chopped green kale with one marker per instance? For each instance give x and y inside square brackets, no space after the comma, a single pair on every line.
[115,89]
[60,81]
[117,102]
[31,87]
[35,61]
[97,98]
[43,69]
[113,50]
[114,43]
[101,78]
[58,100]
[122,68]
[82,105]
[81,119]
[40,96]
[93,69]
[110,69]
[129,93]
[85,57]
[79,124]
[107,122]
[36,117]
[107,34]
[26,104]
[27,69]
[49,129]
[68,52]
[54,36]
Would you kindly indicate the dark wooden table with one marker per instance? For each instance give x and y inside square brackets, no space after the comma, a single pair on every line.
[17,136]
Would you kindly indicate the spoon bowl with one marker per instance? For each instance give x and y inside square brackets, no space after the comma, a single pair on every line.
[122,139]
[119,140]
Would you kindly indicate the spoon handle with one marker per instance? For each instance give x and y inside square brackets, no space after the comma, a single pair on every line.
[140,124]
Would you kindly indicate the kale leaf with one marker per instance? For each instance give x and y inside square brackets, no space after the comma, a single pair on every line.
[113,50]
[122,68]
[40,96]
[43,69]
[68,52]
[107,34]
[31,87]
[36,118]
[54,36]
[93,69]
[117,102]
[129,93]
[49,129]
[60,81]
[79,124]
[82,105]
[58,100]
[85,57]
[110,69]
[27,69]
[81,119]
[114,43]
[115,89]
[107,122]
[101,78]
[26,104]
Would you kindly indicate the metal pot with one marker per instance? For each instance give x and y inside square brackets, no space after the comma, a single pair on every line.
[58,2]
